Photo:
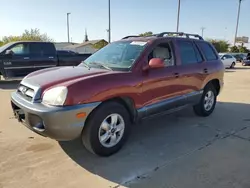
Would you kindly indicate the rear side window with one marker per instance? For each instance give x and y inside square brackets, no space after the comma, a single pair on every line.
[208,51]
[35,49]
[48,49]
[189,53]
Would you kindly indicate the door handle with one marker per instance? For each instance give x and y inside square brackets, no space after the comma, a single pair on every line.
[205,70]
[26,58]
[176,75]
[51,57]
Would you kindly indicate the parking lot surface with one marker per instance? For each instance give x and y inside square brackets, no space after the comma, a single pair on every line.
[179,150]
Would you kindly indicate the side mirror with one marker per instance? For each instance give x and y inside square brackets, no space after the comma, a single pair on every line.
[156,63]
[9,52]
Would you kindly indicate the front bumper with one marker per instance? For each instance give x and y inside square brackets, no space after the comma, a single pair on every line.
[59,123]
[246,62]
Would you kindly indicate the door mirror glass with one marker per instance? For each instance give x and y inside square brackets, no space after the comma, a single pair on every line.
[9,52]
[156,63]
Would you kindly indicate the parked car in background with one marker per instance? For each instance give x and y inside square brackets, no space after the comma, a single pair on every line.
[246,62]
[228,60]
[128,80]
[239,57]
[18,59]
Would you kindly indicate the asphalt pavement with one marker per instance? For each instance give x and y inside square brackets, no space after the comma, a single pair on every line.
[174,151]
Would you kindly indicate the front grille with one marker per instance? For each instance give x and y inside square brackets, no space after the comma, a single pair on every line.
[26,92]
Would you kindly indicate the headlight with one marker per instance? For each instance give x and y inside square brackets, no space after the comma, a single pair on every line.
[55,96]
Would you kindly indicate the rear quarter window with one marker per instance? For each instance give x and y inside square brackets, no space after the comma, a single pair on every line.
[207,50]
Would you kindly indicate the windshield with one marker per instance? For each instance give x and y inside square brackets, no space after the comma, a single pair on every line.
[117,55]
[4,47]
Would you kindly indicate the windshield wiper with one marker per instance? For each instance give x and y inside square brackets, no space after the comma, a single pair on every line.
[101,65]
[85,65]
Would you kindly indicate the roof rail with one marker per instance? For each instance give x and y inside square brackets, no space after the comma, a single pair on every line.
[179,34]
[169,34]
[131,36]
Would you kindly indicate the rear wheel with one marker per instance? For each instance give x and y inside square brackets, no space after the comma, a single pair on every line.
[232,65]
[107,129]
[207,103]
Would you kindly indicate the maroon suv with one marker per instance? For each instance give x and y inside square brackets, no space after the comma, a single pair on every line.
[130,79]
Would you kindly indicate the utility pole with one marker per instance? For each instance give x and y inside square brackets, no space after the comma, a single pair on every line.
[109,29]
[237,23]
[68,25]
[202,31]
[178,15]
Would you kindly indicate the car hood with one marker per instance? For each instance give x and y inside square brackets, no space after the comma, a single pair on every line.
[53,76]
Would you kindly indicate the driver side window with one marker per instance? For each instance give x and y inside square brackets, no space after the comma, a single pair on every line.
[164,52]
[20,49]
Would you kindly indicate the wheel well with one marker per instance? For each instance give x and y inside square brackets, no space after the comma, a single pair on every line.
[216,84]
[128,103]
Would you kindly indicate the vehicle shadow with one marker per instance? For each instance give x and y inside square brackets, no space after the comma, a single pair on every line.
[156,142]
[9,84]
[242,68]
[230,71]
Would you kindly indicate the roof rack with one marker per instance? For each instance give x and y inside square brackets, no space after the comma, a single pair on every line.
[169,34]
[131,36]
[187,35]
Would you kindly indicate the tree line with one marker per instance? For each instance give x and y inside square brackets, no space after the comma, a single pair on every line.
[36,35]
[27,35]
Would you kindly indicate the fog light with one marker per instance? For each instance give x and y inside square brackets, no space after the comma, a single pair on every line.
[39,127]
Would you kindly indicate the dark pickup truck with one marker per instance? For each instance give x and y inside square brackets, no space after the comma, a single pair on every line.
[18,59]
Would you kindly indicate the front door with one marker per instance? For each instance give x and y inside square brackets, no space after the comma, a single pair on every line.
[162,87]
[18,64]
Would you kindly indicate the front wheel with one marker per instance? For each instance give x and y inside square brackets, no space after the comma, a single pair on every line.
[107,129]
[207,103]
[232,65]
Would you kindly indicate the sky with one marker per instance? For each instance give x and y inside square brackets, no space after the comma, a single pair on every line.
[128,17]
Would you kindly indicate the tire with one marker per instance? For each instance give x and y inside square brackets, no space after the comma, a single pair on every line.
[200,108]
[92,132]
[232,65]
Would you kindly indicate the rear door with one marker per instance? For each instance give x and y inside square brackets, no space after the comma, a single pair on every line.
[191,69]
[43,55]
[18,64]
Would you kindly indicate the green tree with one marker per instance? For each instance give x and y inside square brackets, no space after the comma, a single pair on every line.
[146,34]
[234,49]
[100,44]
[35,35]
[28,35]
[243,49]
[220,45]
